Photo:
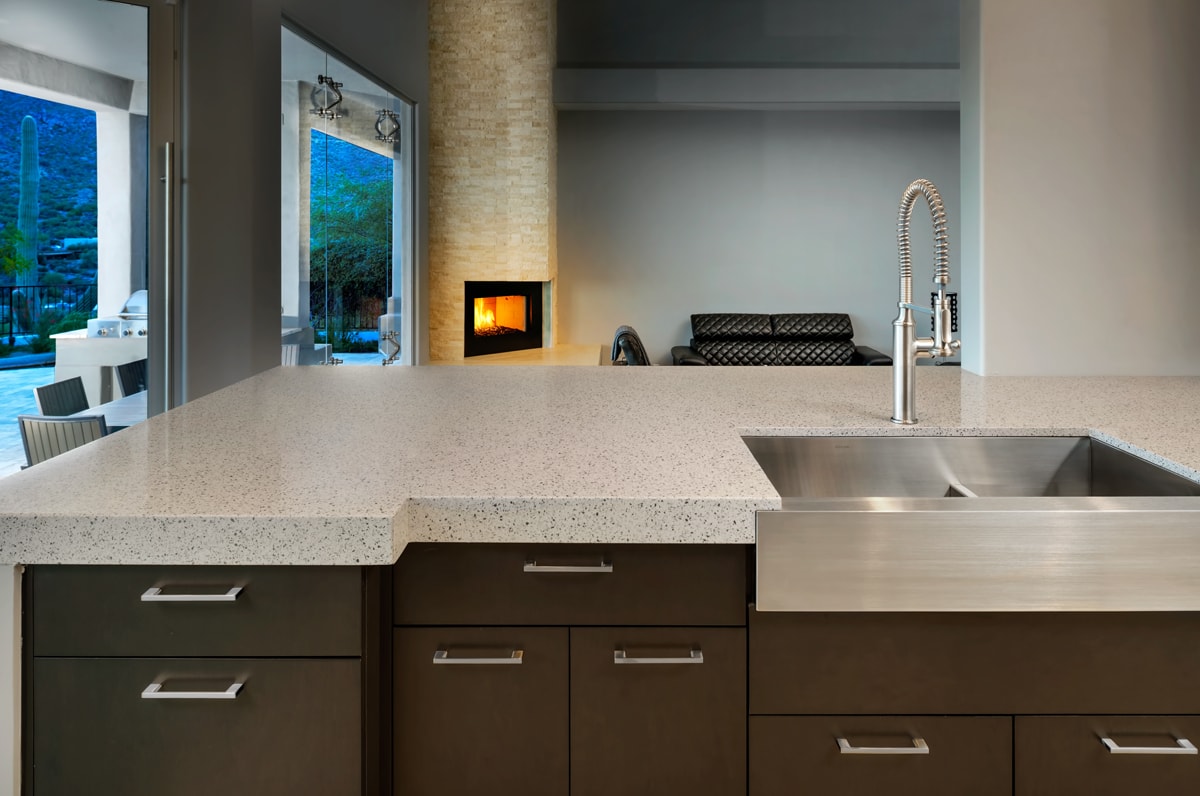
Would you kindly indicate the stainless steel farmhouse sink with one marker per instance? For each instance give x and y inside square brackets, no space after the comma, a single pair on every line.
[973,524]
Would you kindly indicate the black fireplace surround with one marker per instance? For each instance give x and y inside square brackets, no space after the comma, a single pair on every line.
[508,336]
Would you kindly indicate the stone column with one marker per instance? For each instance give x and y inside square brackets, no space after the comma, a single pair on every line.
[492,153]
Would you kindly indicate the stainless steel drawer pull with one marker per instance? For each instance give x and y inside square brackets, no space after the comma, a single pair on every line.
[604,566]
[155,595]
[154,691]
[443,656]
[919,747]
[1183,747]
[695,656]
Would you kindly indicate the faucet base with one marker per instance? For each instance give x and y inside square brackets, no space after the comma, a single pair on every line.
[899,422]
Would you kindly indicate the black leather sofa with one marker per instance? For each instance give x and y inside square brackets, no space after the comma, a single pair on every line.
[783,339]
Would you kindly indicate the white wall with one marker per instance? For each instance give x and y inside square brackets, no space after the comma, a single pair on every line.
[114,220]
[664,214]
[1090,186]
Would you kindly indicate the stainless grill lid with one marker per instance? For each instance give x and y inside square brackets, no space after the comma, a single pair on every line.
[136,306]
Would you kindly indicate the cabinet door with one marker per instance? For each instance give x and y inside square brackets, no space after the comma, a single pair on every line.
[480,710]
[658,711]
[293,727]
[1067,755]
[893,755]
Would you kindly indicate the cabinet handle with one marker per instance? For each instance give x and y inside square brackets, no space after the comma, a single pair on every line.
[155,595]
[154,691]
[604,566]
[919,747]
[443,656]
[1183,747]
[695,656]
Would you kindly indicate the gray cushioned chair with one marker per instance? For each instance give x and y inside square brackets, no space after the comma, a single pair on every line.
[61,398]
[47,437]
[132,376]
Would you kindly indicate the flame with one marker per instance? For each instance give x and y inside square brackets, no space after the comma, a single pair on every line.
[484,318]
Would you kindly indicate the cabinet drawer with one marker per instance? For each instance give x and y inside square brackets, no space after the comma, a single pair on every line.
[448,584]
[658,711]
[279,611]
[975,664]
[293,728]
[479,722]
[1065,756]
[797,755]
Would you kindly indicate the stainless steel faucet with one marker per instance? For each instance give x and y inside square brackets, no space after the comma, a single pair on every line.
[906,346]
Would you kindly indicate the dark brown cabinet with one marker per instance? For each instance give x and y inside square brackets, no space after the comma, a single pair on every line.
[658,710]
[870,676]
[481,710]
[292,727]
[632,673]
[1069,756]
[197,680]
[870,755]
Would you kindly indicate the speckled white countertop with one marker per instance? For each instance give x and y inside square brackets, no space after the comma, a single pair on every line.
[345,465]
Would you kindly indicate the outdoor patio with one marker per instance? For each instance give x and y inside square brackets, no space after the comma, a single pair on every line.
[16,398]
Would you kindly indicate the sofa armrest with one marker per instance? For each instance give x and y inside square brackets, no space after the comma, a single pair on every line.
[686,355]
[865,355]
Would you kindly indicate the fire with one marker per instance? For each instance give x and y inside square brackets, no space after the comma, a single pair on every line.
[485,318]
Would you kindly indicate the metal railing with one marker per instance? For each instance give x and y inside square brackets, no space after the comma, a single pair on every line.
[24,307]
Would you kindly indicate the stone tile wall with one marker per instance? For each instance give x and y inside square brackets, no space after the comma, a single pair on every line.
[492,153]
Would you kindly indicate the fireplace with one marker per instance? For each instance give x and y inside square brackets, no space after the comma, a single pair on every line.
[501,316]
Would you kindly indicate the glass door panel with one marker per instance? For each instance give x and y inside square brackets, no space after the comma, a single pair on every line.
[90,92]
[346,149]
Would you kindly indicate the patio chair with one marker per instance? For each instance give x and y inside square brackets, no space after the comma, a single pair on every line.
[46,437]
[132,376]
[62,398]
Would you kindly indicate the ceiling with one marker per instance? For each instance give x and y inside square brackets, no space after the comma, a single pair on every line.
[98,34]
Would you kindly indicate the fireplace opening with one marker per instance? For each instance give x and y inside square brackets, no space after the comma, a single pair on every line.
[501,316]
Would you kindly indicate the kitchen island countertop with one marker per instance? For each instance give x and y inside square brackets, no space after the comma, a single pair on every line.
[346,465]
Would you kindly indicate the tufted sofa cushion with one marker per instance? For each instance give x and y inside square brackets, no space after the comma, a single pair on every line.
[812,326]
[813,352]
[737,352]
[731,326]
[782,339]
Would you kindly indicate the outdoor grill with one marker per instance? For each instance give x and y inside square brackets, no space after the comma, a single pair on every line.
[129,322]
[93,353]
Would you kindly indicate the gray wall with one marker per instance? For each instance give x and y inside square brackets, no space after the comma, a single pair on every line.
[1087,186]
[231,195]
[742,32]
[663,214]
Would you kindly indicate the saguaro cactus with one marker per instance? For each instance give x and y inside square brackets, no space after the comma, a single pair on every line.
[27,204]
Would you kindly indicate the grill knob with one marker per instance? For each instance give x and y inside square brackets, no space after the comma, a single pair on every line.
[141,332]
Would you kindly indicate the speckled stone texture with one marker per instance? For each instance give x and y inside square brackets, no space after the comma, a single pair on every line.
[347,465]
